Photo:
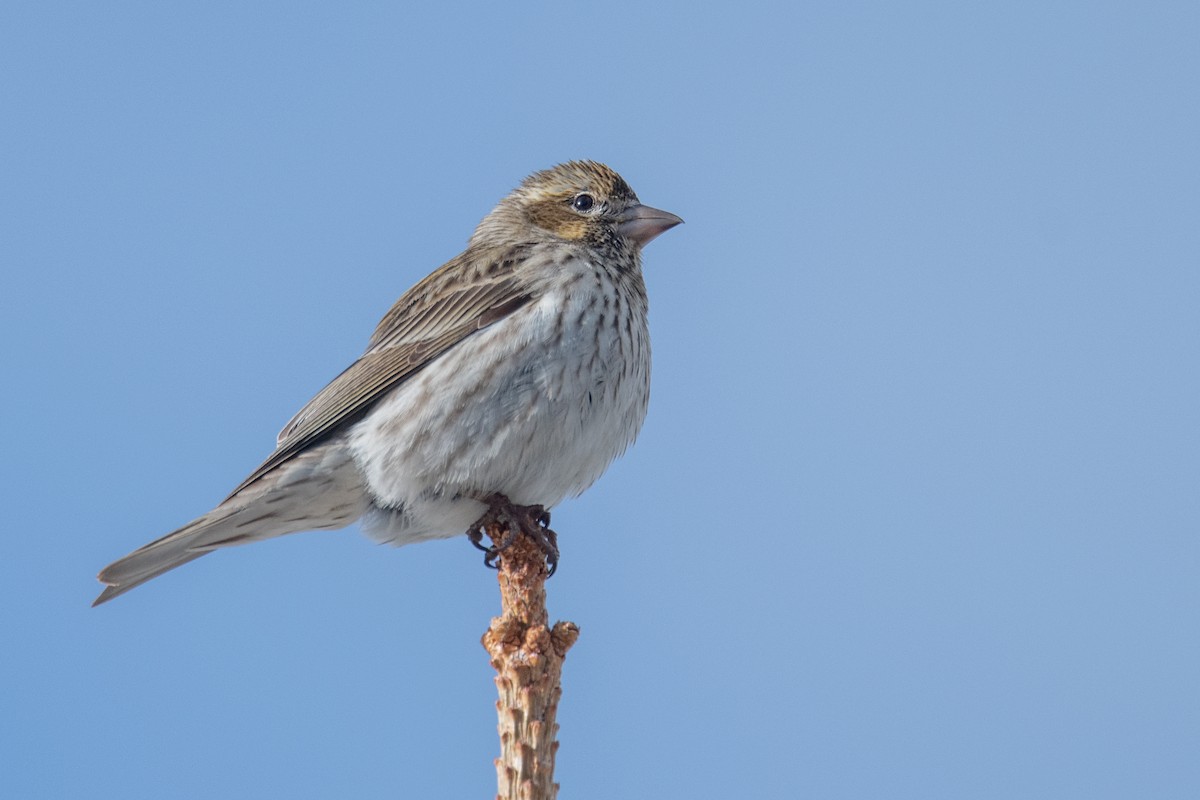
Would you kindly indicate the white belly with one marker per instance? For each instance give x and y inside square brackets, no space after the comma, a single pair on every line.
[517,408]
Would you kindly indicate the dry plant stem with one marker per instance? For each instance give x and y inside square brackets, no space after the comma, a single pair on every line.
[527,655]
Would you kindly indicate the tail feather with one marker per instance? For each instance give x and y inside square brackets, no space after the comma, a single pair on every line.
[117,589]
[318,489]
[163,555]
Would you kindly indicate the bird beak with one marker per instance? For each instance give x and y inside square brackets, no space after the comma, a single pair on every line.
[642,223]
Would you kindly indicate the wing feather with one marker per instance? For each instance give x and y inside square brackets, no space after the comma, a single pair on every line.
[432,317]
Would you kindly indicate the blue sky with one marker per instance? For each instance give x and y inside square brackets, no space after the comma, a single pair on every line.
[915,510]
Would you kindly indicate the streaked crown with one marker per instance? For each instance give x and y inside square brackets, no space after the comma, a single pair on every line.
[575,201]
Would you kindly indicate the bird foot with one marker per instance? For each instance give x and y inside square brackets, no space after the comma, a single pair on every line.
[533,521]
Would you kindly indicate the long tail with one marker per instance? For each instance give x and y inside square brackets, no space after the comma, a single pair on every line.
[320,489]
[162,555]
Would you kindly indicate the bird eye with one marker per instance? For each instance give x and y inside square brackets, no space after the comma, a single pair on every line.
[583,202]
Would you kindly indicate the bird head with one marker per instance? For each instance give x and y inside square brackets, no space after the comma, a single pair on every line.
[582,202]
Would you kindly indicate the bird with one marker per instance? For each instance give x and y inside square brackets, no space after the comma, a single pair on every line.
[518,370]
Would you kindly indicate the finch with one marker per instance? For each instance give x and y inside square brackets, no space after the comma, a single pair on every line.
[520,368]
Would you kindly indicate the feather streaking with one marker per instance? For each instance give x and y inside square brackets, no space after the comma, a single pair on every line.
[520,367]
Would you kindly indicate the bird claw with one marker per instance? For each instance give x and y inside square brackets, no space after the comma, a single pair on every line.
[533,521]
[491,554]
[475,537]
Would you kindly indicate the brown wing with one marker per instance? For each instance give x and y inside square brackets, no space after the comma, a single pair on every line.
[436,314]
[456,293]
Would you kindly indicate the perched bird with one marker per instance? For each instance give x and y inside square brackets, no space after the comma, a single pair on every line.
[520,368]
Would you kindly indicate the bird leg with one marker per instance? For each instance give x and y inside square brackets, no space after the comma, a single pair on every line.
[504,521]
